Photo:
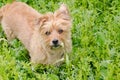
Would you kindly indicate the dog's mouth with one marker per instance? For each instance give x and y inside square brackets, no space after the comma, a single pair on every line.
[57,46]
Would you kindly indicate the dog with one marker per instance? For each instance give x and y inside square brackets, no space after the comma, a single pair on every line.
[47,37]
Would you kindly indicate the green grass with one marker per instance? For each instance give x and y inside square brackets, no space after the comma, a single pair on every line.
[96,44]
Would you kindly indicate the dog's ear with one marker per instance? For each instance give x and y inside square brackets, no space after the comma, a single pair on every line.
[41,20]
[62,12]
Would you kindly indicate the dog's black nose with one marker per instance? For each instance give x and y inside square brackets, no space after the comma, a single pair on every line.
[55,41]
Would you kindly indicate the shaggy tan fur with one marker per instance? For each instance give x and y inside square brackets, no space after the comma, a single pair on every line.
[38,32]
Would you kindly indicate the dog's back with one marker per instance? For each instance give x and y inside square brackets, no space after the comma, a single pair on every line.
[17,20]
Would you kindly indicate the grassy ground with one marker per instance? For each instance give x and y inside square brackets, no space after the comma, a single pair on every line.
[96,44]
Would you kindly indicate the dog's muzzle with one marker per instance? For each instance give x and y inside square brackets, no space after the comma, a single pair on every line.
[56,44]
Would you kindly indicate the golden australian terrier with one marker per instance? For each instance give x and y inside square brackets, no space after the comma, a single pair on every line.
[47,37]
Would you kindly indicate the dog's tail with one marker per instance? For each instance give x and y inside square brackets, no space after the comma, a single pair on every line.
[4,8]
[1,15]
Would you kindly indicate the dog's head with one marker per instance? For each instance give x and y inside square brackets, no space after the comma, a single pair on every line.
[54,29]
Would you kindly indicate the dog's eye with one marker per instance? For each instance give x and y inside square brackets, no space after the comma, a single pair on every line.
[60,31]
[47,33]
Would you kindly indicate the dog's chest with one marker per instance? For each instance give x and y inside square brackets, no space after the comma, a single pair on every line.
[55,57]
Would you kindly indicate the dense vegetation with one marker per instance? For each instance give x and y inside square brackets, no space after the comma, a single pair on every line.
[96,44]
